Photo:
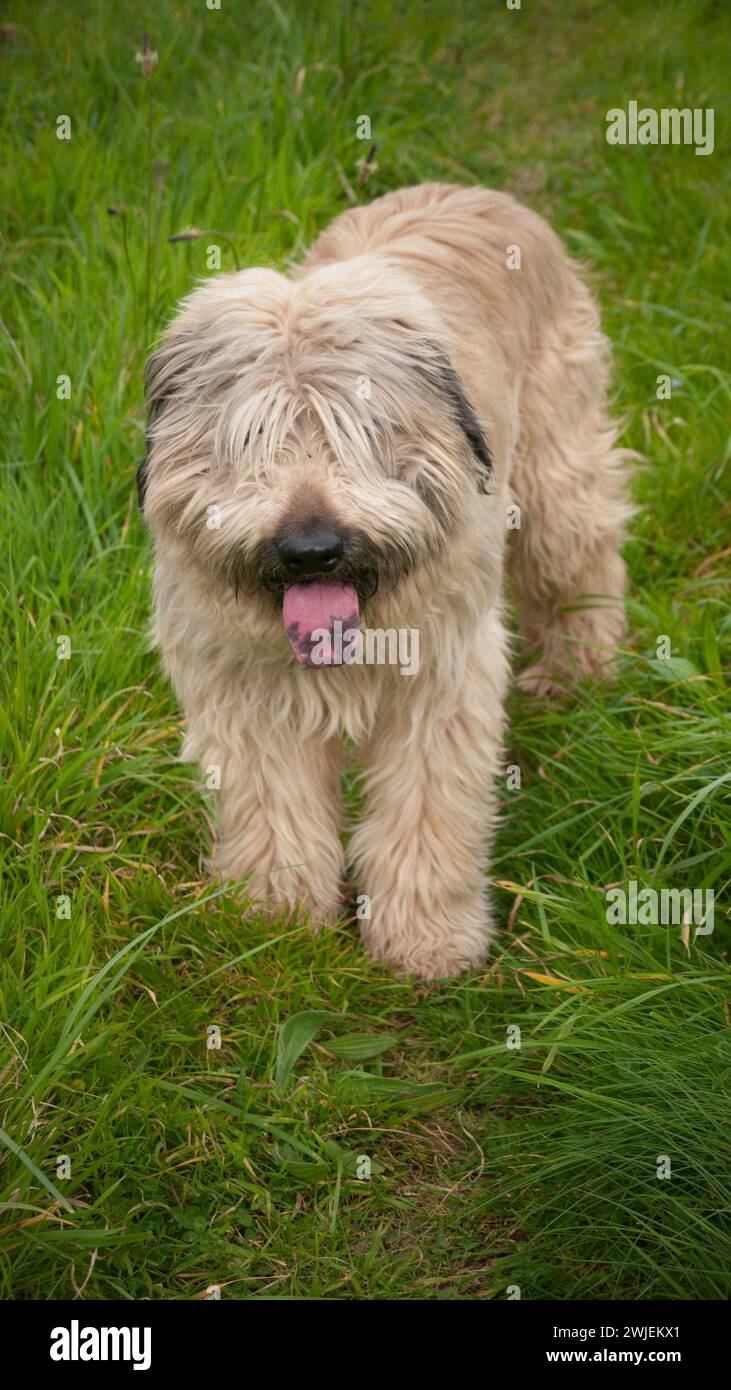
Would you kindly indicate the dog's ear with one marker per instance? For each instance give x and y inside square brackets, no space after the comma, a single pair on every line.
[446,381]
[163,372]
[153,405]
[142,482]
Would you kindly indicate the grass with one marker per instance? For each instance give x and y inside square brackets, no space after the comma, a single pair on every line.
[242,1166]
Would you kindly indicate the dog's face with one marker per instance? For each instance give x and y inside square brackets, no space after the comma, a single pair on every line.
[309,440]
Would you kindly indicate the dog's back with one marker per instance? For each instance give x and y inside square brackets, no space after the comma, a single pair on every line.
[457,243]
[526,339]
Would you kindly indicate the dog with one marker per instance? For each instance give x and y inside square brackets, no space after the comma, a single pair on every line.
[365,446]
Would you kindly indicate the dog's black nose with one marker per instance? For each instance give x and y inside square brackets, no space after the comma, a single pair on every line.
[313,554]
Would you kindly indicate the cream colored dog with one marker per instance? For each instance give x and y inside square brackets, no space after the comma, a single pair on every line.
[369,443]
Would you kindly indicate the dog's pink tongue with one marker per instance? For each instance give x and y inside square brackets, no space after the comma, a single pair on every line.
[310,612]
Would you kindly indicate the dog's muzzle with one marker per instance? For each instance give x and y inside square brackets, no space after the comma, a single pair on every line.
[319,575]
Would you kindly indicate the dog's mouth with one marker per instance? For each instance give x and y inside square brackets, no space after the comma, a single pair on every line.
[321,616]
[321,613]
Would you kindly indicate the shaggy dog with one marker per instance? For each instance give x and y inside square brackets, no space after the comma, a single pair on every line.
[369,443]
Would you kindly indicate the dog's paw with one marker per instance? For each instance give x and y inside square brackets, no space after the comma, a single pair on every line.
[554,679]
[442,965]
[541,683]
[262,895]
[427,954]
[318,918]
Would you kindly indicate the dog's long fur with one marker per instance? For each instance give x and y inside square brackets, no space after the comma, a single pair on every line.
[406,386]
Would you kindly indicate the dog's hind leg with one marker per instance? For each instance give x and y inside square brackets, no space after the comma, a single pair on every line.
[568,577]
[420,854]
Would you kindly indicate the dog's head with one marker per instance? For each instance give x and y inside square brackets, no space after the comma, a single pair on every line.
[309,440]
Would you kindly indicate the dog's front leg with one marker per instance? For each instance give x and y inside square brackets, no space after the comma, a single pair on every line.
[421,853]
[278,819]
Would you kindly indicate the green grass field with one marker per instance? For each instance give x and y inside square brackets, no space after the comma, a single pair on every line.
[243,1166]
